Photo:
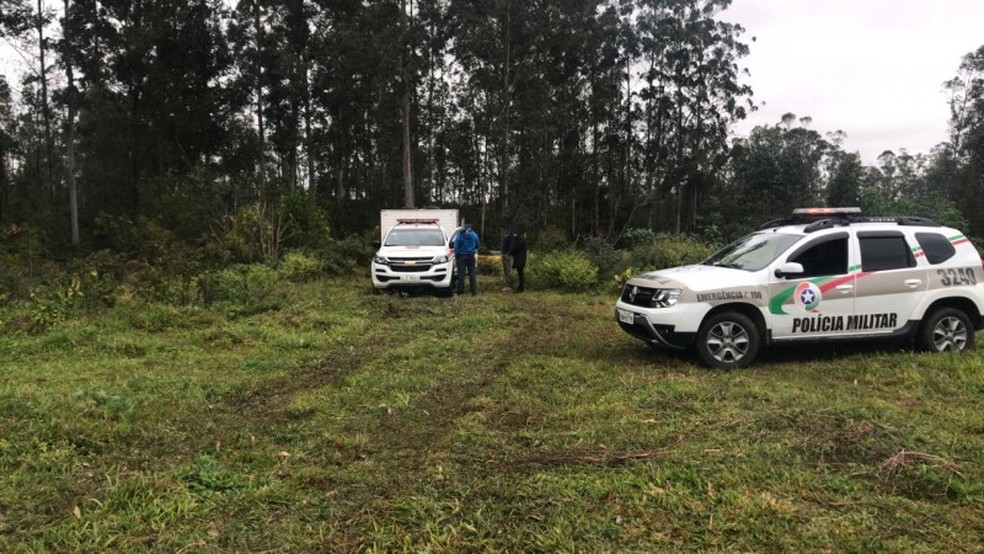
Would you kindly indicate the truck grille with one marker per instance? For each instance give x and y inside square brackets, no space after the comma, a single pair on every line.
[417,268]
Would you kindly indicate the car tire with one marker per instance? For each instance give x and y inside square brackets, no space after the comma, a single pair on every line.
[728,340]
[947,329]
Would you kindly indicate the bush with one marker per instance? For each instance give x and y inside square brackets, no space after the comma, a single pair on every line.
[249,287]
[602,254]
[306,222]
[551,239]
[346,255]
[669,250]
[489,265]
[298,266]
[567,270]
[619,279]
[636,236]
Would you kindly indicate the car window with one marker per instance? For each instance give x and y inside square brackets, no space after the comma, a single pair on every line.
[880,252]
[753,252]
[415,237]
[827,257]
[936,247]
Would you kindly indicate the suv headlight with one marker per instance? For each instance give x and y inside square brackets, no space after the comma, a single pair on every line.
[441,259]
[649,298]
[380,260]
[664,298]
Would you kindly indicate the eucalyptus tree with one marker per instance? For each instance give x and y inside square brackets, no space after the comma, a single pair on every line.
[151,103]
[692,93]
[491,43]
[15,20]
[966,149]
[776,169]
[847,180]
[7,147]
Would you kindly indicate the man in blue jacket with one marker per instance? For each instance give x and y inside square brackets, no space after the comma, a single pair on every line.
[465,253]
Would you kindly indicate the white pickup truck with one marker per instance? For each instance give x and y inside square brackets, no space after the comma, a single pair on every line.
[413,250]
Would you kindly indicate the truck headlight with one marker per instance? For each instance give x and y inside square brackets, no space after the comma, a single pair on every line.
[664,298]
[380,260]
[441,259]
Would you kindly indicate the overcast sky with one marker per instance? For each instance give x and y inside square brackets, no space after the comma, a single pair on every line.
[871,68]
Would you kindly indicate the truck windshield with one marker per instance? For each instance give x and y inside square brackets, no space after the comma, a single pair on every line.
[415,237]
[752,252]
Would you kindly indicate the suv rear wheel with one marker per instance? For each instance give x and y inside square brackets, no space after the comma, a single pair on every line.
[728,340]
[947,329]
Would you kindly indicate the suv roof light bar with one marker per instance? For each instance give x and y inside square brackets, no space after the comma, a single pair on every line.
[417,220]
[817,212]
[824,218]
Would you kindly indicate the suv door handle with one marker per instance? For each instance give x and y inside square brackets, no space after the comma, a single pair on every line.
[913,283]
[845,288]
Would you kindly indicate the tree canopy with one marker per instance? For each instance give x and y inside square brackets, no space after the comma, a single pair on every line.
[591,116]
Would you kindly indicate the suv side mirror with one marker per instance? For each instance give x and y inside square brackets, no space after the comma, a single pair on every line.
[789,269]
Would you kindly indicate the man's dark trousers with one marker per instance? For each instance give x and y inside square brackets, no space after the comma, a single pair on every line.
[466,263]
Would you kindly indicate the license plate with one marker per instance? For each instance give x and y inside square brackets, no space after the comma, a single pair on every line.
[410,277]
[625,316]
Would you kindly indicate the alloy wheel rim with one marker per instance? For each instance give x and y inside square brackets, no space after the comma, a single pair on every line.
[949,334]
[728,342]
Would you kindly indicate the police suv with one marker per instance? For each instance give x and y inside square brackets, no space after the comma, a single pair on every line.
[822,274]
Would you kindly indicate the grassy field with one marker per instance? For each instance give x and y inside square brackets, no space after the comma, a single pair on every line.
[342,421]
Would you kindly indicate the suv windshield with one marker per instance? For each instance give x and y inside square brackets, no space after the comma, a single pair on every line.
[752,252]
[415,237]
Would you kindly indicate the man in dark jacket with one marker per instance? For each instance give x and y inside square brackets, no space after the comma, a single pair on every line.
[509,235]
[518,252]
[465,254]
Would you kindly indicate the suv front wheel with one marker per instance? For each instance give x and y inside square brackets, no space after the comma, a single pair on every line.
[728,340]
[947,329]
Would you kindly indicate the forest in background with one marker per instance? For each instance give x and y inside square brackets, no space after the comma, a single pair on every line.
[283,123]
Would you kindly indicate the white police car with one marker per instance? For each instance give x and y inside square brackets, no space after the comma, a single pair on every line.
[822,274]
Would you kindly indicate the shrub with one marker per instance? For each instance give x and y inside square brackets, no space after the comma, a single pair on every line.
[620,278]
[346,255]
[636,236]
[249,287]
[22,242]
[489,265]
[253,234]
[602,254]
[298,266]
[306,222]
[669,250]
[551,239]
[567,270]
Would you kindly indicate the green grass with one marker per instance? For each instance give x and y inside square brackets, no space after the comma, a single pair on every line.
[343,421]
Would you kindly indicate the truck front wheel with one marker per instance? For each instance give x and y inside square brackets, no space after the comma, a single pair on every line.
[728,340]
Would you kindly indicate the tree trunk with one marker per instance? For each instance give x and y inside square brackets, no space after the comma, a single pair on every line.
[73,201]
[45,112]
[260,131]
[4,184]
[407,164]
[506,101]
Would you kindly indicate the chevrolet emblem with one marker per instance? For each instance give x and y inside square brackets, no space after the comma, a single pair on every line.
[410,262]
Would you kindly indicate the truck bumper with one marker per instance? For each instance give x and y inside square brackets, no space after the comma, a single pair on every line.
[437,276]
